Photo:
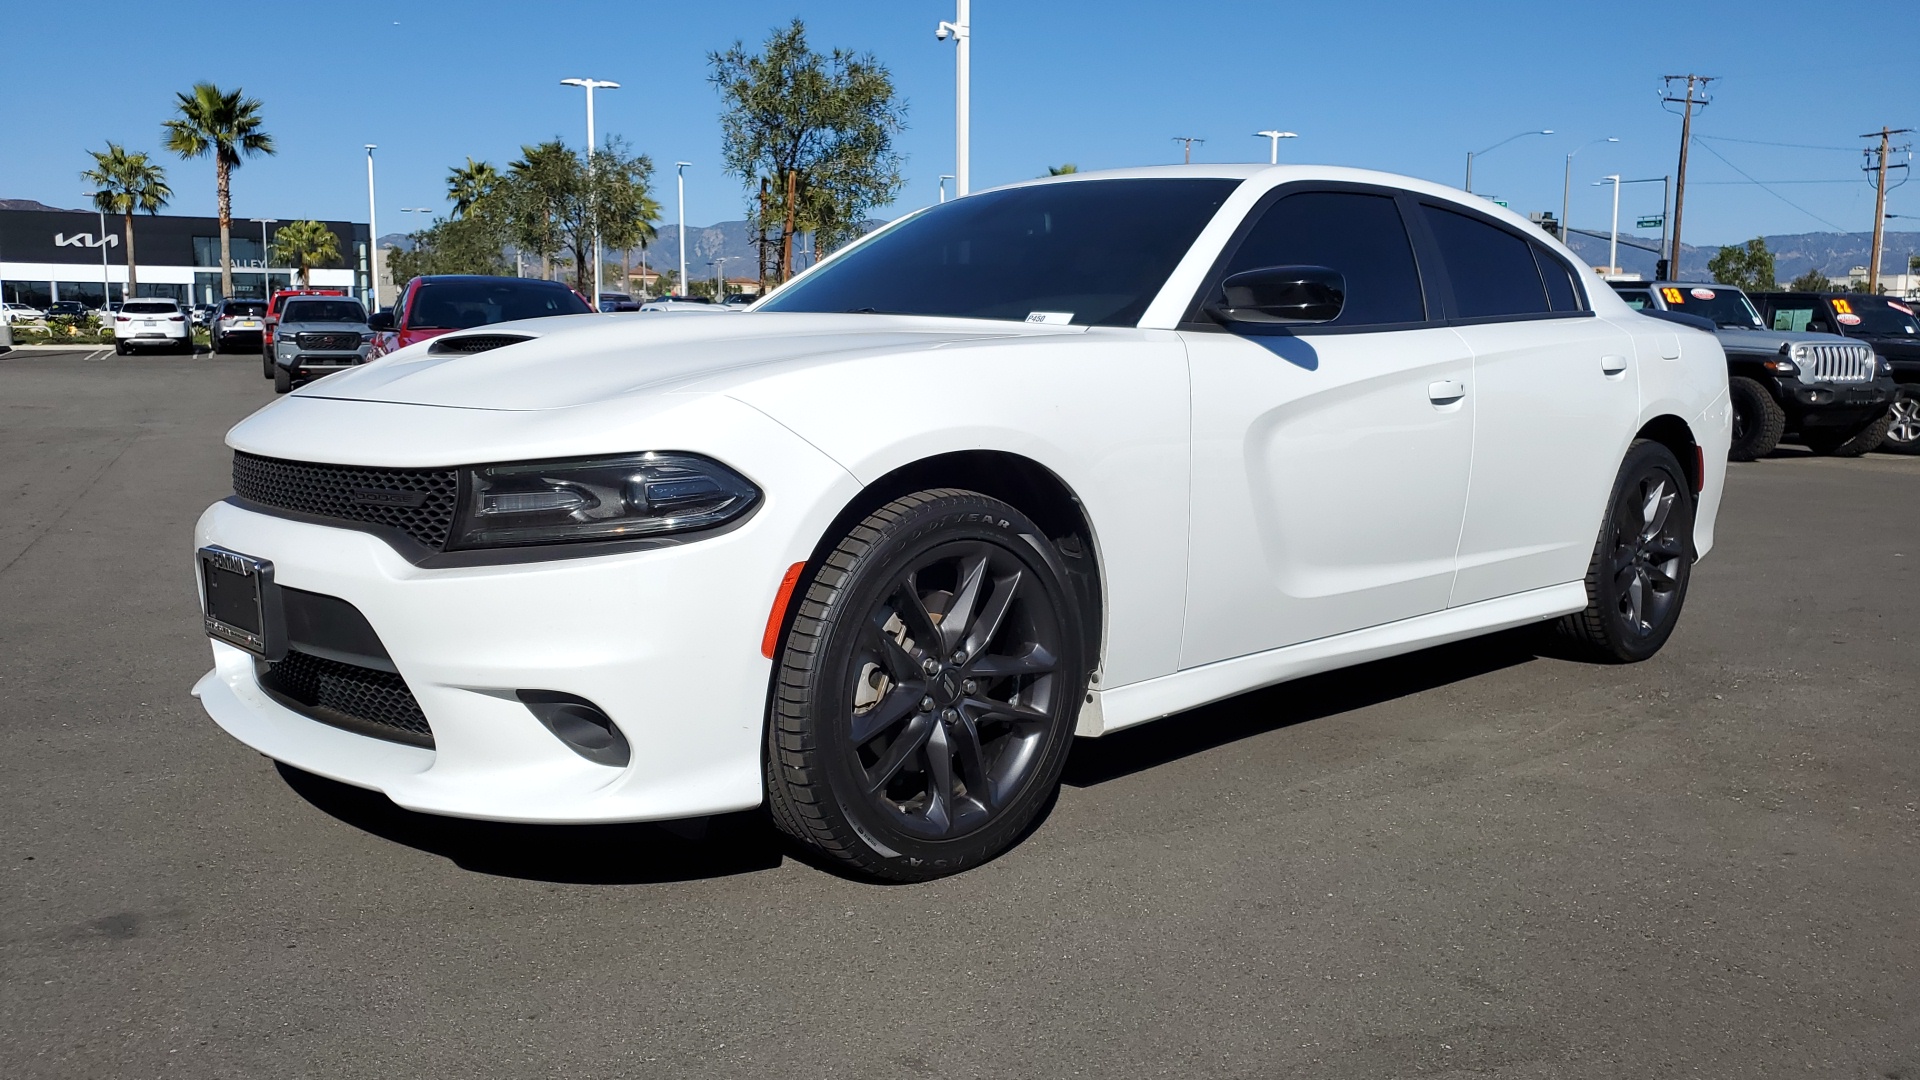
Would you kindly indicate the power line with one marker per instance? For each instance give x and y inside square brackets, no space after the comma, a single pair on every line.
[1763,142]
[1763,187]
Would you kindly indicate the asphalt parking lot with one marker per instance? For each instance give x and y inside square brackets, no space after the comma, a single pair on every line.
[1479,860]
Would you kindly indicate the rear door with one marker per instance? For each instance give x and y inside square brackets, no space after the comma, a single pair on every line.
[1557,398]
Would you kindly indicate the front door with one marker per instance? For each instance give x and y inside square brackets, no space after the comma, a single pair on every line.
[1330,464]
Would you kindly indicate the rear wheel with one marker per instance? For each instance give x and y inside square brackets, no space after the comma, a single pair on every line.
[1637,579]
[927,689]
[1758,420]
[1849,442]
[1903,422]
[120,348]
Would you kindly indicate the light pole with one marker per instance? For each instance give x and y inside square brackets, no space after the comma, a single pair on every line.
[961,31]
[1496,146]
[106,290]
[266,260]
[373,236]
[1566,188]
[680,174]
[719,283]
[591,85]
[1273,156]
[944,177]
[1613,240]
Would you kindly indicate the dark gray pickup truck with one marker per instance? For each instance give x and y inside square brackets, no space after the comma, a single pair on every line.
[1831,392]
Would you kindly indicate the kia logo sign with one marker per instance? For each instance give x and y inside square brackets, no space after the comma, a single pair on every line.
[84,239]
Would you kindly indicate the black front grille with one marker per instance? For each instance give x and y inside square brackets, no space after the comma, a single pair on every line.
[475,343]
[360,699]
[325,342]
[418,502]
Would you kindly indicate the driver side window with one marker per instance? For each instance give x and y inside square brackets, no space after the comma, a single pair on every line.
[1359,235]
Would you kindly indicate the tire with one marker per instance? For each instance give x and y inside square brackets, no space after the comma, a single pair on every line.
[902,751]
[1903,423]
[215,344]
[1849,443]
[266,367]
[282,380]
[1758,420]
[1637,579]
[120,348]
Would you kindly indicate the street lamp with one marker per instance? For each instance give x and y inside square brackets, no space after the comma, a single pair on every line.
[1613,240]
[961,31]
[719,282]
[106,290]
[944,177]
[1273,158]
[1566,187]
[266,260]
[1496,146]
[591,85]
[680,174]
[373,235]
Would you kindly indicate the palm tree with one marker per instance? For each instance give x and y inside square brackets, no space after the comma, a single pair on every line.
[228,126]
[1062,170]
[305,244]
[467,186]
[125,183]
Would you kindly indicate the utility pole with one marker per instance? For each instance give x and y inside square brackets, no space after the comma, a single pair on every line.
[786,237]
[1189,140]
[1694,82]
[1877,164]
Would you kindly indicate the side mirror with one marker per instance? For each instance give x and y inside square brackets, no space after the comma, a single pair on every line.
[381,320]
[1281,296]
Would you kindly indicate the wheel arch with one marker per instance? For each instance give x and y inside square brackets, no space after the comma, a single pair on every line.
[1676,435]
[1021,482]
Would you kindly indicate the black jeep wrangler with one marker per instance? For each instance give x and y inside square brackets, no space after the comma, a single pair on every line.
[1885,322]
[1831,392]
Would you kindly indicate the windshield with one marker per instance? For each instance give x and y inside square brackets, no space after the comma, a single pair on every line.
[456,305]
[1091,252]
[1728,308]
[324,311]
[1875,316]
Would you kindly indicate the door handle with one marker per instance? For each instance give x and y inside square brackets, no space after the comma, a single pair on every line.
[1446,392]
[1612,365]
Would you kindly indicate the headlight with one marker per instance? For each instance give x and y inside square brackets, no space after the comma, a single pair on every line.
[367,339]
[611,498]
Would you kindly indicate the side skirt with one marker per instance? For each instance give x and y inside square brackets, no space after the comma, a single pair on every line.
[1124,706]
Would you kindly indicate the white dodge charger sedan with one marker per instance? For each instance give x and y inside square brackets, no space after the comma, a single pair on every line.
[1050,460]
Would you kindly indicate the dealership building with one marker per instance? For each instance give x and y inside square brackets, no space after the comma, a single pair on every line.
[49,255]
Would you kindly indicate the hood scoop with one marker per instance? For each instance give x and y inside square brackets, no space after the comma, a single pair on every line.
[474,343]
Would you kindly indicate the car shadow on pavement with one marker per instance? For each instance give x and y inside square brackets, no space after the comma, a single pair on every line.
[639,854]
[1096,761]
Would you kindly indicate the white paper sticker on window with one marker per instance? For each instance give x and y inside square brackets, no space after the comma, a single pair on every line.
[1050,318]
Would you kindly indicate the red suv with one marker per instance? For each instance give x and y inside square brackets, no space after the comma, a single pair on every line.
[273,316]
[431,306]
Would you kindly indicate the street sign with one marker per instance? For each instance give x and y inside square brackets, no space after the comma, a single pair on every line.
[1499,202]
[1651,222]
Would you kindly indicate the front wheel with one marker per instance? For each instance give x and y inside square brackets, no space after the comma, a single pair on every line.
[1758,420]
[927,689]
[282,380]
[1903,423]
[1637,578]
[1849,442]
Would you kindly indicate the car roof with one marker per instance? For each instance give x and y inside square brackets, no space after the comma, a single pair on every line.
[1672,285]
[427,278]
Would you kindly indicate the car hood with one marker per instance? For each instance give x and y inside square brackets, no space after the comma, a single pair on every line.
[1770,341]
[577,360]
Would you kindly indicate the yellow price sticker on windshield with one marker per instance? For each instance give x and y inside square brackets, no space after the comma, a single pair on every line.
[1672,296]
[1841,307]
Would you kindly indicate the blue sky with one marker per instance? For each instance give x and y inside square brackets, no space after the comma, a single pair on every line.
[1406,86]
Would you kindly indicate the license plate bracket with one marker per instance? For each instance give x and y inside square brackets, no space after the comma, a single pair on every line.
[241,603]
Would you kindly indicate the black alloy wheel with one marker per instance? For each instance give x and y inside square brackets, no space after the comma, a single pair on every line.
[1637,579]
[1903,422]
[927,690]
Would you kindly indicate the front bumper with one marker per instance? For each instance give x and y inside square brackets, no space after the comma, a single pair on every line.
[1834,404]
[665,641]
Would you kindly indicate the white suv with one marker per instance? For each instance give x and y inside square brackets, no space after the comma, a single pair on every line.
[151,323]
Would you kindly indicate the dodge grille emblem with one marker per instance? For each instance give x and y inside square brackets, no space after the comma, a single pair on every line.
[384,497]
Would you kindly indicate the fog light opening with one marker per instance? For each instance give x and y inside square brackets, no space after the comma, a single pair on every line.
[580,725]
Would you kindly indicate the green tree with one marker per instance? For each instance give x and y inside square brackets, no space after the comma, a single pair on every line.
[539,187]
[1062,170]
[819,126]
[305,245]
[472,186]
[1749,267]
[1811,281]
[228,126]
[466,245]
[125,183]
[558,201]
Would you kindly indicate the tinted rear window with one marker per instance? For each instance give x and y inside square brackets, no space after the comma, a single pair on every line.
[150,307]
[1491,271]
[456,305]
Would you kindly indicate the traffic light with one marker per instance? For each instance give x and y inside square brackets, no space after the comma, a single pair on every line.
[1660,270]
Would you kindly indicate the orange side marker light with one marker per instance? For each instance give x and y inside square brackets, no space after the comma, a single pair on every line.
[779,613]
